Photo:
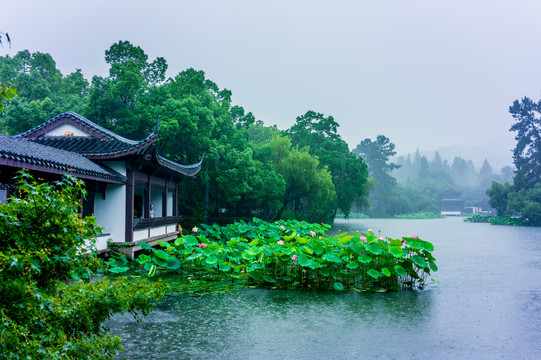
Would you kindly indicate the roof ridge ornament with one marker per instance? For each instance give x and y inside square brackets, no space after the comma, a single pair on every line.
[157,126]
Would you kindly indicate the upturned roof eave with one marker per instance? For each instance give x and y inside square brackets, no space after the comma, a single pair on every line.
[186,170]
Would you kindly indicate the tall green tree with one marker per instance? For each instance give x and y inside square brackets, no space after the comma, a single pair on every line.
[122,100]
[377,155]
[527,152]
[349,172]
[43,90]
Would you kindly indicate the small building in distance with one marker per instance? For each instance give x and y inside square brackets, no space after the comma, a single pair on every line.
[450,203]
[123,177]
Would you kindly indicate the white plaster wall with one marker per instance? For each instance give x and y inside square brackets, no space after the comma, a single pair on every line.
[156,200]
[157,231]
[140,234]
[60,130]
[110,212]
[169,204]
[118,166]
[101,242]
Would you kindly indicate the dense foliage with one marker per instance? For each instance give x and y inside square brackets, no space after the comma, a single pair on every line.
[48,308]
[523,198]
[246,171]
[290,254]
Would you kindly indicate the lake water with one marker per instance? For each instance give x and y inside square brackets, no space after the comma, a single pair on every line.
[486,306]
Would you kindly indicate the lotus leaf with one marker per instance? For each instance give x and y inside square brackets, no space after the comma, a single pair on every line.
[302,241]
[374,273]
[207,251]
[225,266]
[428,246]
[419,261]
[174,264]
[307,250]
[396,251]
[303,260]
[191,240]
[324,272]
[152,271]
[365,259]
[318,247]
[338,286]
[268,278]
[143,259]
[375,248]
[145,246]
[314,265]
[399,270]
[332,258]
[194,256]
[161,254]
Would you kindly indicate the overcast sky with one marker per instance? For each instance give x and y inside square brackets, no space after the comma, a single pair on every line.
[425,73]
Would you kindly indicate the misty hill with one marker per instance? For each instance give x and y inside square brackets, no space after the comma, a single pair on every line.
[498,152]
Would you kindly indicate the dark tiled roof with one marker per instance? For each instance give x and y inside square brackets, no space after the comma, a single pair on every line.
[92,147]
[102,143]
[49,159]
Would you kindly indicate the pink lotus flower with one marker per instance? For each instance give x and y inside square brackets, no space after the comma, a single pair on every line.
[282,227]
[381,239]
[415,236]
[202,245]
[294,258]
[370,230]
[313,233]
[280,242]
[363,239]
[194,229]
[403,240]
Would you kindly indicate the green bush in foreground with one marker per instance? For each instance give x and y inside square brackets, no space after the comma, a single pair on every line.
[290,254]
[48,308]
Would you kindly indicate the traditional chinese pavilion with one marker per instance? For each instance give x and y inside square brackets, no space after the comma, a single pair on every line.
[450,203]
[123,177]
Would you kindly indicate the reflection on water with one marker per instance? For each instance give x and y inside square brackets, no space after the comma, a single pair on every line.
[487,306]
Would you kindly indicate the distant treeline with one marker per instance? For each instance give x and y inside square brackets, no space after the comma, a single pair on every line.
[414,184]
